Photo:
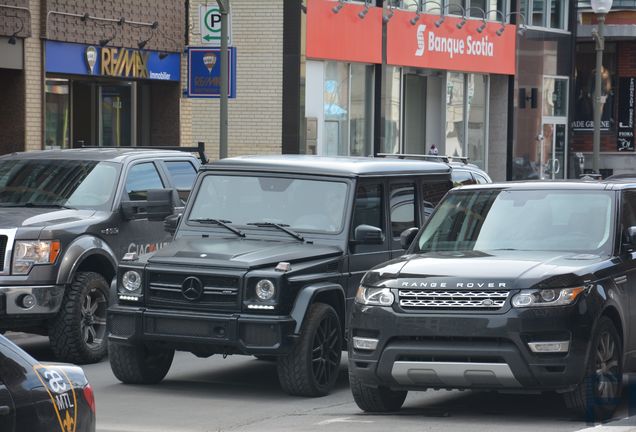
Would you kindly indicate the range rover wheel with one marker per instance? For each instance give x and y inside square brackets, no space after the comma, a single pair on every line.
[598,395]
[375,399]
[139,364]
[78,332]
[312,367]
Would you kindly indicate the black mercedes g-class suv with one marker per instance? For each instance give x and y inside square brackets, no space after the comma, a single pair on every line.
[265,260]
[517,287]
[66,218]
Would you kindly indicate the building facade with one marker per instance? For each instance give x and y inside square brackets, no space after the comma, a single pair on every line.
[618,89]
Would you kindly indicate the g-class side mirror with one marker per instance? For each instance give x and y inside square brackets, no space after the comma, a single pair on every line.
[171,222]
[407,237]
[367,234]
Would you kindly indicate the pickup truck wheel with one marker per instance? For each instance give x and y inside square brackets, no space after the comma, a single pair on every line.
[597,397]
[139,364]
[375,399]
[311,368]
[78,332]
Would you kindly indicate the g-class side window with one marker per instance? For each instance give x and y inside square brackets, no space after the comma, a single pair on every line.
[432,193]
[369,210]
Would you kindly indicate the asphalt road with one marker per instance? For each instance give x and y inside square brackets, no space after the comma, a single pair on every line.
[242,394]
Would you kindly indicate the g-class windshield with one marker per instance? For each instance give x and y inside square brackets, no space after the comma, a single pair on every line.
[297,204]
[532,220]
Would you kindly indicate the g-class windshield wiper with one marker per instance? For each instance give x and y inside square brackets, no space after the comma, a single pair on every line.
[224,223]
[280,227]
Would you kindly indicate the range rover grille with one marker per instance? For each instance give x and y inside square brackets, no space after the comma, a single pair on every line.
[442,299]
[219,291]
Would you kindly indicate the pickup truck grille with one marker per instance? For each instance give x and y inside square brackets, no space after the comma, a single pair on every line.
[220,292]
[3,250]
[442,299]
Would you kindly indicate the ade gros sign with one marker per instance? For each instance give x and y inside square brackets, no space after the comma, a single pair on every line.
[439,44]
[127,63]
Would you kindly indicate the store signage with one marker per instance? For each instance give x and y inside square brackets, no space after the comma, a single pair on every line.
[210,25]
[344,35]
[625,138]
[204,72]
[434,43]
[127,63]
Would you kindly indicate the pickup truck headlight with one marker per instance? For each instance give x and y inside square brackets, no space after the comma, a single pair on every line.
[546,297]
[28,253]
[374,296]
[131,282]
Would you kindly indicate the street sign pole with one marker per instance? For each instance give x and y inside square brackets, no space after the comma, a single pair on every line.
[224,5]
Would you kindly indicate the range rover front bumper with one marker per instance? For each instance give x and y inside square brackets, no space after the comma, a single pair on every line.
[202,332]
[470,351]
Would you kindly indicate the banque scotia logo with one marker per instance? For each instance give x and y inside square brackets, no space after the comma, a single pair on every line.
[421,45]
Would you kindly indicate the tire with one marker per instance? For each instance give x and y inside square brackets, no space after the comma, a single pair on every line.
[311,368]
[375,399]
[78,331]
[139,364]
[597,397]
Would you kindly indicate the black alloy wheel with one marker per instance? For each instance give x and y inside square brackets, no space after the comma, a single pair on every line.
[93,324]
[326,352]
[607,384]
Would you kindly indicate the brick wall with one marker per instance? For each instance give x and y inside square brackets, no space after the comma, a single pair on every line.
[255,116]
[33,75]
[15,20]
[169,35]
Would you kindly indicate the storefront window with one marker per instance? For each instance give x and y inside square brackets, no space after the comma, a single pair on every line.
[455,114]
[336,100]
[477,88]
[391,108]
[555,97]
[361,110]
[545,13]
[57,134]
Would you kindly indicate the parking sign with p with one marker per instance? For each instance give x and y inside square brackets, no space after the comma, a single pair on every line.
[210,24]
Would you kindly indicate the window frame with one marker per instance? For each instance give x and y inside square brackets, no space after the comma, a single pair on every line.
[547,14]
[125,194]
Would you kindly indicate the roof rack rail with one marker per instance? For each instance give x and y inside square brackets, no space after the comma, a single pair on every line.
[200,149]
[435,158]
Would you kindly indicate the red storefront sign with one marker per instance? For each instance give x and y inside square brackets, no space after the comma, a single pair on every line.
[344,35]
[447,47]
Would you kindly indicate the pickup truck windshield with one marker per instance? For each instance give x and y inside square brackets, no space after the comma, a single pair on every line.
[532,220]
[297,204]
[57,183]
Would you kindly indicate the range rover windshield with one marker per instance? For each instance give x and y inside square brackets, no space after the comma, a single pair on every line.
[264,201]
[57,183]
[532,220]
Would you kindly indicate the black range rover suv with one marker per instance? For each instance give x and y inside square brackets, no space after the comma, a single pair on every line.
[518,286]
[266,258]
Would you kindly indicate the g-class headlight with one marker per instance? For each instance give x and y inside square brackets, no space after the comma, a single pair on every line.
[546,297]
[265,289]
[131,282]
[374,296]
[28,253]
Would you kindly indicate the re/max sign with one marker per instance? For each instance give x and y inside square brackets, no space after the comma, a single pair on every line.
[125,63]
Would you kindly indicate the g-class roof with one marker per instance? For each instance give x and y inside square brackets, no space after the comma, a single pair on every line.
[329,165]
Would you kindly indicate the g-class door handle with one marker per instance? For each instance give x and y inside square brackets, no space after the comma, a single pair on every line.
[4,410]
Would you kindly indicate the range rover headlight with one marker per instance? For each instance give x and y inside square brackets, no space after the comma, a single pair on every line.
[28,253]
[265,289]
[547,297]
[374,296]
[131,282]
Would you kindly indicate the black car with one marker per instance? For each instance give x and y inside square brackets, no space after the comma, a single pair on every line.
[265,261]
[37,397]
[518,287]
[66,219]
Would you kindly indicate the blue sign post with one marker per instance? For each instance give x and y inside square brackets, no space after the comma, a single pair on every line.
[204,72]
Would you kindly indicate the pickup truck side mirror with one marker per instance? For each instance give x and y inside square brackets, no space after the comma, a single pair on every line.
[367,234]
[171,222]
[407,237]
[157,207]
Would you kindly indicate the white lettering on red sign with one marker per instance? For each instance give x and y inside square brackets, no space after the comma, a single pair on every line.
[453,45]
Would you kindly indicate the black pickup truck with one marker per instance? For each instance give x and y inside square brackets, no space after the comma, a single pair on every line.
[66,219]
[513,287]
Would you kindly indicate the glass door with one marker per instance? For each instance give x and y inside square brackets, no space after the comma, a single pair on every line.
[552,151]
[116,116]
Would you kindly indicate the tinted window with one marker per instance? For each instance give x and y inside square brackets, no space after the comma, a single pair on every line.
[141,178]
[432,193]
[182,175]
[480,178]
[46,182]
[402,208]
[461,177]
[628,216]
[368,206]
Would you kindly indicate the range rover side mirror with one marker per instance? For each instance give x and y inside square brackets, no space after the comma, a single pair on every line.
[367,234]
[171,222]
[407,236]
